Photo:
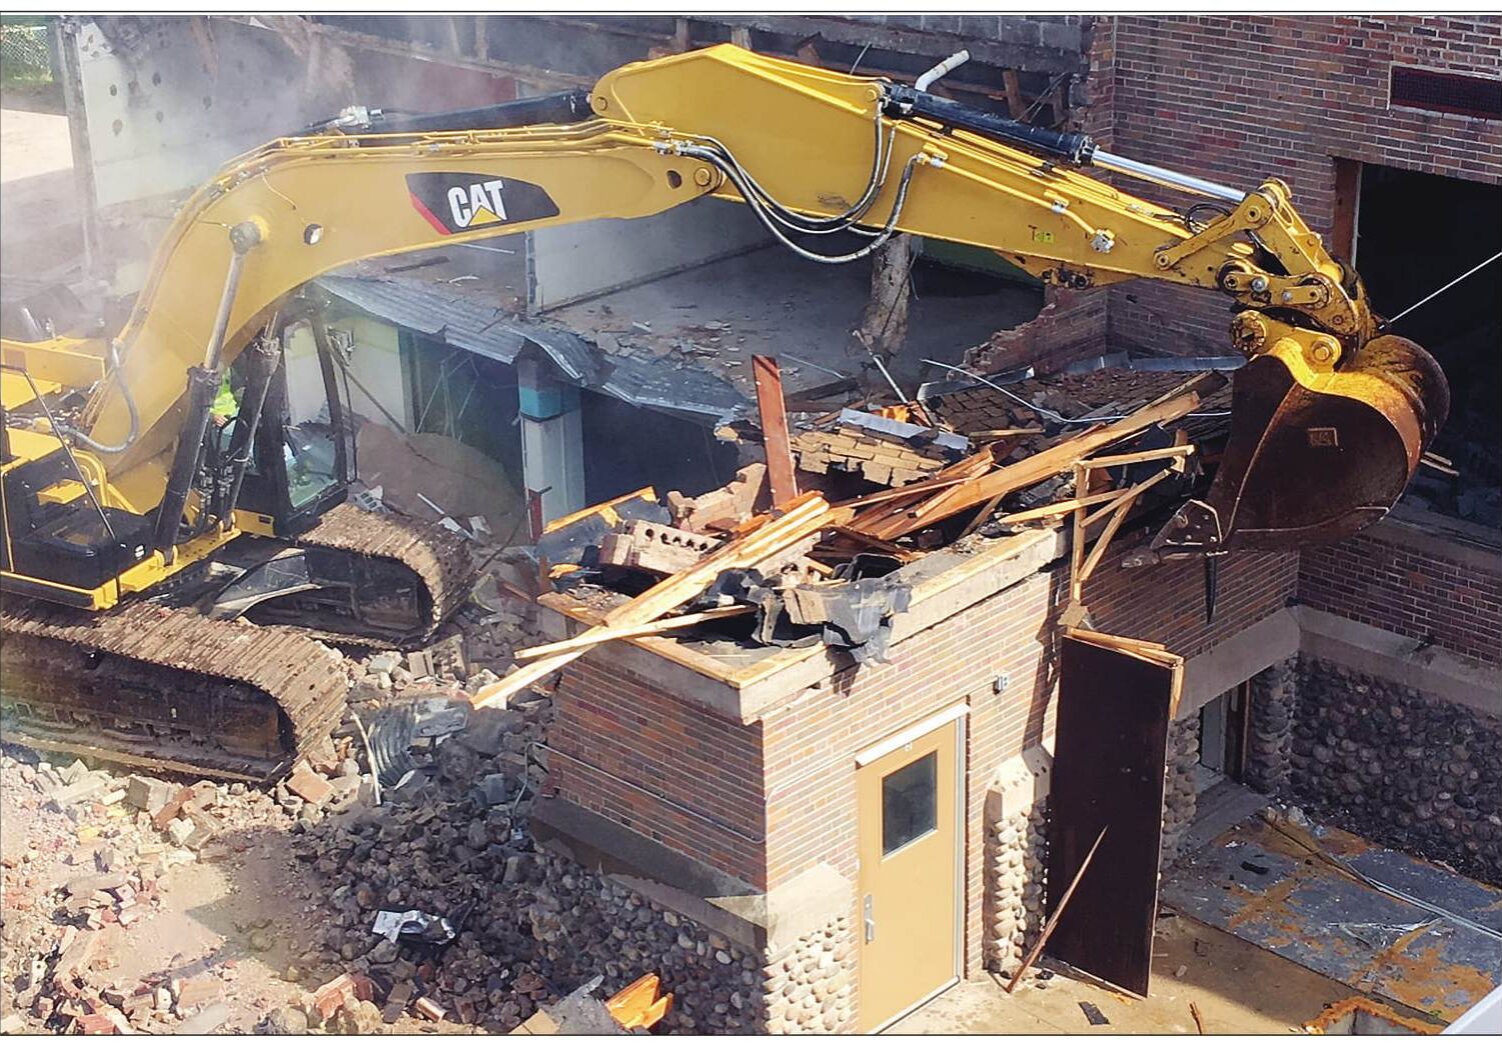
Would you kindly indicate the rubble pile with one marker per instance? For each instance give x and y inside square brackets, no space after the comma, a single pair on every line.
[449,843]
[87,856]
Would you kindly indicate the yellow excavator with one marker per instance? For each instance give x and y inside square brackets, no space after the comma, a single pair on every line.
[151,550]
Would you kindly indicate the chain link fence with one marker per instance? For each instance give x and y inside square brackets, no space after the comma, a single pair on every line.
[24,52]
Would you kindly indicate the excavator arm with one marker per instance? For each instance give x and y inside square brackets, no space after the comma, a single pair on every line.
[1329,421]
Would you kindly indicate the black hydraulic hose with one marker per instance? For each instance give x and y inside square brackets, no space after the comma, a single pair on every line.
[203,385]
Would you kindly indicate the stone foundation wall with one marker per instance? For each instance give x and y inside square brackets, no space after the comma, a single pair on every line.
[809,986]
[1406,770]
[1179,796]
[1016,869]
[586,924]
[1274,700]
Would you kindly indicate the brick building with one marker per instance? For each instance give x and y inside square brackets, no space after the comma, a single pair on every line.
[736,791]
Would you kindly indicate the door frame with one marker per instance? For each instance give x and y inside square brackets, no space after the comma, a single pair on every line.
[956,714]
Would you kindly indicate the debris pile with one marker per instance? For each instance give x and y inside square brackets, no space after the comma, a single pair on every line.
[426,894]
[89,856]
[803,562]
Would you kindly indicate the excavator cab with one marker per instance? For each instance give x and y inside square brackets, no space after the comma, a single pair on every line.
[302,457]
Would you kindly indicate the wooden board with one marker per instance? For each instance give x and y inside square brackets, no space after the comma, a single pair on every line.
[1108,771]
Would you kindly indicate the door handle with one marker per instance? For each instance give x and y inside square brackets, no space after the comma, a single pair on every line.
[870,920]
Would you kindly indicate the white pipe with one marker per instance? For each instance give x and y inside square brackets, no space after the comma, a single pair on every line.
[953,62]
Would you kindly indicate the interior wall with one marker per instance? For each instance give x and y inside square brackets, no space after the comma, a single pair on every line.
[626,447]
[572,262]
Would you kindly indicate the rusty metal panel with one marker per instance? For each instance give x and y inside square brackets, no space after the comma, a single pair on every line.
[1108,773]
[774,428]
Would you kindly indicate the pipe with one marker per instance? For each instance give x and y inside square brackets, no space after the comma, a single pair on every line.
[949,65]
[263,363]
[112,357]
[1165,176]
[203,384]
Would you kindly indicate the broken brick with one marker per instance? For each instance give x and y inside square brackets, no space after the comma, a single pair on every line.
[147,793]
[78,956]
[329,997]
[169,811]
[195,992]
[428,1009]
[396,1003]
[310,785]
[96,1025]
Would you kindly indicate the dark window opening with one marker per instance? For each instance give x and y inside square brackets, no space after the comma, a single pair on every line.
[909,803]
[1415,233]
[1428,89]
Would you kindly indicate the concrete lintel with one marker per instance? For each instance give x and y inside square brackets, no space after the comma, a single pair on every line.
[759,920]
[805,904]
[1397,658]
[1454,539]
[1229,664]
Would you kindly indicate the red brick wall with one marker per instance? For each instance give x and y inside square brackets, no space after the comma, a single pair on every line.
[1166,603]
[810,773]
[1239,99]
[1377,580]
[709,767]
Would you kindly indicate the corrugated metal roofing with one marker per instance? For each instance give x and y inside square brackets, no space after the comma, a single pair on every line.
[471,323]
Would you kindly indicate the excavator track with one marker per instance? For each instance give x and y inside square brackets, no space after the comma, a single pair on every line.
[438,557]
[388,580]
[169,688]
[166,689]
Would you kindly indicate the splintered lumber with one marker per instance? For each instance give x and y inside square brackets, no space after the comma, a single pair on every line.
[1053,921]
[657,627]
[772,410]
[806,515]
[886,522]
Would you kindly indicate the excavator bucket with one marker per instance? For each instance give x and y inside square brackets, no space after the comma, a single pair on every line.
[1314,457]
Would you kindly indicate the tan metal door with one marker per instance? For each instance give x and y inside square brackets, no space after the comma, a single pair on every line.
[908,800]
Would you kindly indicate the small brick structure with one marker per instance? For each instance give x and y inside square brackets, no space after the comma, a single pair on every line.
[744,772]
[693,778]
[735,779]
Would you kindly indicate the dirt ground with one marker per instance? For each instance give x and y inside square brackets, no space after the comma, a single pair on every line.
[1239,989]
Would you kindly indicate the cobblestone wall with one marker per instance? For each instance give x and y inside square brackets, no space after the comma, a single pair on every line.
[1274,699]
[1016,867]
[1179,796]
[809,986]
[1406,770]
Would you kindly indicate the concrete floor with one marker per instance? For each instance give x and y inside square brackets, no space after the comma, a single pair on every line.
[1239,989]
[33,144]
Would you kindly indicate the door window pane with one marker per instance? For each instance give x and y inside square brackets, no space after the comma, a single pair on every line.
[909,802]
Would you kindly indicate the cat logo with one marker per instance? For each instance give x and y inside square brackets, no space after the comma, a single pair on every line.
[457,202]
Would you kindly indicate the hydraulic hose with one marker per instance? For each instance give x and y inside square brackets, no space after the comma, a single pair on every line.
[112,356]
